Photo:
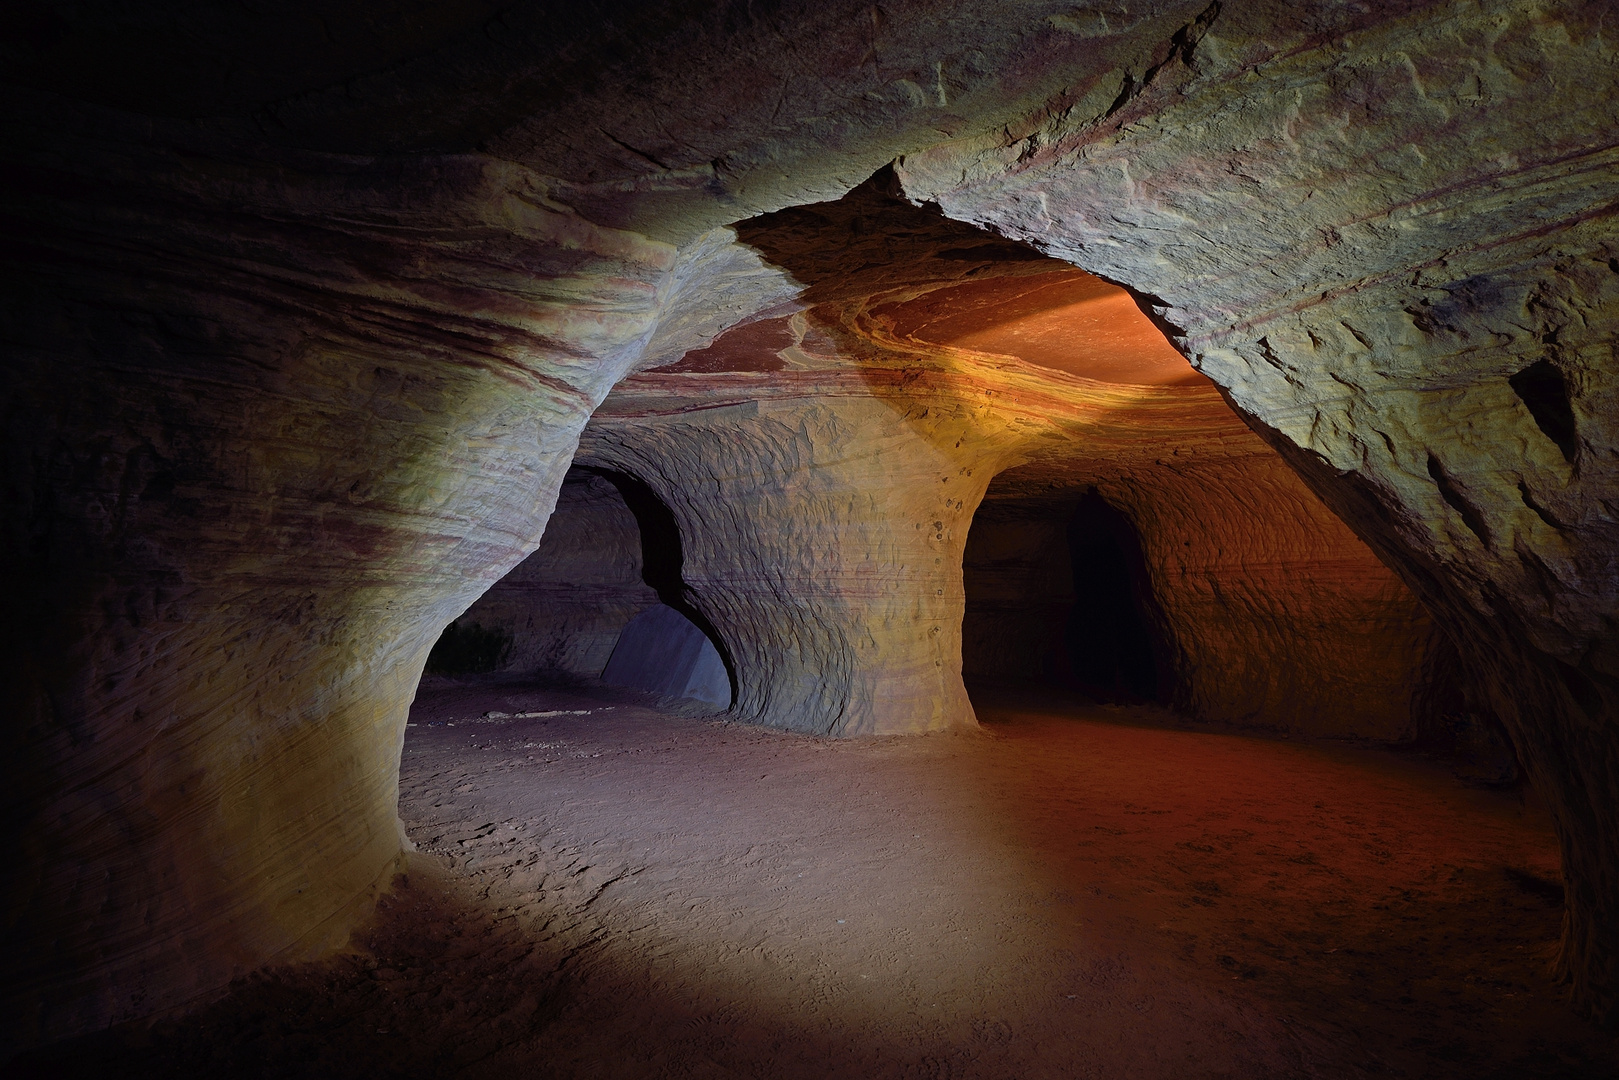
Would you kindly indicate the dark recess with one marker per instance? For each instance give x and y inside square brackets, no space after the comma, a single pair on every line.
[662,557]
[1456,723]
[1114,651]
[1545,393]
[468,650]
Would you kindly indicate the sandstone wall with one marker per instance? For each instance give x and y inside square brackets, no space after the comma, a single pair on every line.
[1397,251]
[270,425]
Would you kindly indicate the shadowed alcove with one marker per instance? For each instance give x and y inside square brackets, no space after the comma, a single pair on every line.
[601,599]
[1058,596]
[1114,630]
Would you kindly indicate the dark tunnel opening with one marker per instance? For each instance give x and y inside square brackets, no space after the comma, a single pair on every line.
[1058,597]
[1111,642]
[602,597]
[663,559]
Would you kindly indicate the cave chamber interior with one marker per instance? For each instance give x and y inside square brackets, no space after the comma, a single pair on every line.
[1223,393]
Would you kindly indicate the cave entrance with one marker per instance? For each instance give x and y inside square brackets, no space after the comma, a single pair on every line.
[1112,651]
[1058,597]
[602,597]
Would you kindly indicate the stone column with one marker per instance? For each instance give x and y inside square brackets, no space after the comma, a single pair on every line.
[822,533]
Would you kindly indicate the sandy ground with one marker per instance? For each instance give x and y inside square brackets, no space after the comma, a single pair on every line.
[611,890]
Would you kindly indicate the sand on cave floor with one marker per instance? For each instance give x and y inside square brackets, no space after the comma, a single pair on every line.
[612,890]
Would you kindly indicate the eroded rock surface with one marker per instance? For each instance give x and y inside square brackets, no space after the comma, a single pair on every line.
[1398,256]
[269,428]
[303,318]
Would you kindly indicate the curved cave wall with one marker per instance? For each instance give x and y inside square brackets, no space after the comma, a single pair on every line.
[305,320]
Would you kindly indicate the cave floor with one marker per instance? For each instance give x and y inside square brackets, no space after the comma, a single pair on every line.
[615,890]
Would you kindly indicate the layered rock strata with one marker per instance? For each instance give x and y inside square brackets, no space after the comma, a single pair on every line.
[825,472]
[302,318]
[270,426]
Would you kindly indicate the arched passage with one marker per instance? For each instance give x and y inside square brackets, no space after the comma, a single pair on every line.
[601,598]
[1058,594]
[663,560]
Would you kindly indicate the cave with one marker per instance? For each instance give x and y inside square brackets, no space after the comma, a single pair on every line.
[601,598]
[810,539]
